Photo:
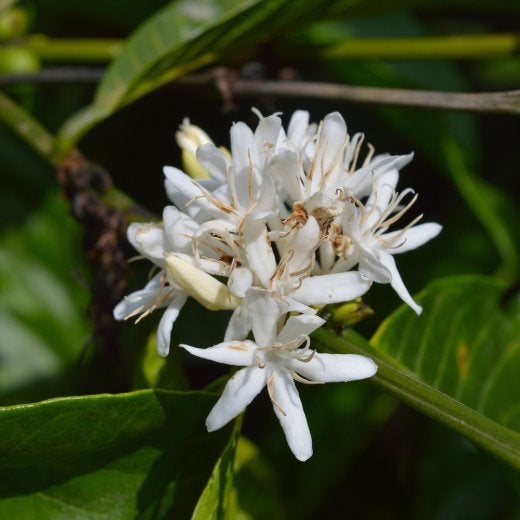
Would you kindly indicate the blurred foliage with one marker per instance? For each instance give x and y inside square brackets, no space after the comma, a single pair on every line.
[145,454]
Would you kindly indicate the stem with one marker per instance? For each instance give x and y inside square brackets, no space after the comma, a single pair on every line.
[55,75]
[74,50]
[426,48]
[495,102]
[478,428]
[26,127]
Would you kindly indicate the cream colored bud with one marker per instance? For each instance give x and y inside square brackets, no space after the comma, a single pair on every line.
[208,291]
[189,137]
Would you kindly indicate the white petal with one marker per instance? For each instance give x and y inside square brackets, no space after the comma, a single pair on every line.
[288,304]
[148,239]
[214,161]
[245,161]
[291,416]
[240,390]
[361,180]
[259,252]
[264,313]
[298,126]
[331,141]
[239,353]
[300,325]
[330,368]
[243,146]
[284,169]
[238,326]
[326,256]
[142,298]
[266,135]
[397,282]
[178,230]
[164,331]
[305,244]
[332,288]
[371,266]
[413,237]
[240,280]
[182,189]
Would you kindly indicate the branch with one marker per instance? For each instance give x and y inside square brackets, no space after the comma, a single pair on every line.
[493,102]
[55,75]
[224,80]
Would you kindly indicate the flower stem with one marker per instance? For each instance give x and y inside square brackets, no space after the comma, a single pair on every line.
[404,385]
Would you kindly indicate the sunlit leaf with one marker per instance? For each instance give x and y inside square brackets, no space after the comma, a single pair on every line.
[457,362]
[143,454]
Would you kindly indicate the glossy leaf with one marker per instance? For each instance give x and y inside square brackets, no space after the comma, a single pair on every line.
[216,501]
[457,362]
[145,454]
[179,38]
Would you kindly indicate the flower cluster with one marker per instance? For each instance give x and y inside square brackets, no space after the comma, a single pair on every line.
[293,220]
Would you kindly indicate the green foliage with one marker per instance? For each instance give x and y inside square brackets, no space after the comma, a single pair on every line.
[465,345]
[179,38]
[215,502]
[42,314]
[146,454]
[143,454]
[447,367]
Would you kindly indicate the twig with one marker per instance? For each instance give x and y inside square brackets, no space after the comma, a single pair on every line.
[55,75]
[507,102]
[494,102]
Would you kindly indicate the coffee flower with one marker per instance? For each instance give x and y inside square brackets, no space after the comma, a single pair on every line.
[276,362]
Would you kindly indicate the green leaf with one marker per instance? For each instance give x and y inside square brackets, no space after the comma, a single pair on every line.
[144,454]
[179,38]
[255,477]
[494,209]
[216,501]
[458,362]
[42,314]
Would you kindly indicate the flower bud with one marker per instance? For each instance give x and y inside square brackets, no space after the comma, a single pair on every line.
[201,286]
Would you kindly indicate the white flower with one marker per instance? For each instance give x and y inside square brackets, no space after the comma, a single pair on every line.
[161,292]
[276,361]
[286,286]
[328,163]
[361,235]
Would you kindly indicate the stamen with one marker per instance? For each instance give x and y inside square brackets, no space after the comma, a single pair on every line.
[300,379]
[356,154]
[398,215]
[369,155]
[271,393]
